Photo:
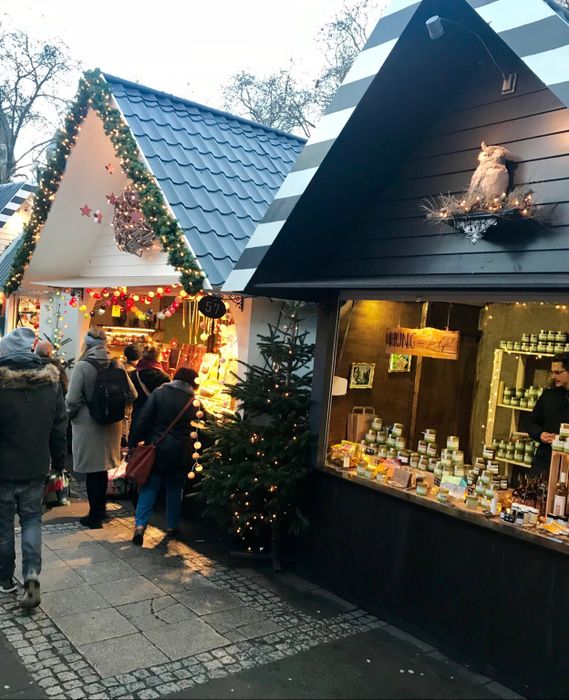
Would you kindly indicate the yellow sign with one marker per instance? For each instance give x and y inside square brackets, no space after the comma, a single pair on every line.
[116,311]
[423,342]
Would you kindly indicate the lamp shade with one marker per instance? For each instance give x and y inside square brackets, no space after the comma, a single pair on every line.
[435,27]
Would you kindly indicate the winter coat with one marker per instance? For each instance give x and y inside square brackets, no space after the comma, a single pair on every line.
[33,421]
[551,409]
[152,377]
[174,453]
[96,447]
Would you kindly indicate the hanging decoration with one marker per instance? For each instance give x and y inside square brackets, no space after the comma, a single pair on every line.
[489,201]
[132,233]
[94,93]
[98,216]
[85,210]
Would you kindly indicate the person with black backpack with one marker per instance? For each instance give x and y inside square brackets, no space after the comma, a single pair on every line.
[97,399]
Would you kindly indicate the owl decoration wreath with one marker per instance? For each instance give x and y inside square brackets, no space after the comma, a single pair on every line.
[490,199]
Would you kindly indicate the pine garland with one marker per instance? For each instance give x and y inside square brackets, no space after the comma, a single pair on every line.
[94,92]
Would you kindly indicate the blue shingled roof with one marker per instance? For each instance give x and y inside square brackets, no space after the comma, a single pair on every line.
[218,172]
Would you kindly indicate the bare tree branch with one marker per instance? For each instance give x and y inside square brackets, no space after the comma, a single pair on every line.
[32,75]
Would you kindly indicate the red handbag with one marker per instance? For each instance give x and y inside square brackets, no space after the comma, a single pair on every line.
[141,461]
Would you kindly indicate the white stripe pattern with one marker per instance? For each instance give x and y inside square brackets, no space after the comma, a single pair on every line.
[265,234]
[510,14]
[12,206]
[552,67]
[295,183]
[369,62]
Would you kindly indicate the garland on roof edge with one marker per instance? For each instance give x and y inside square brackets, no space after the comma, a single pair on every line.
[94,92]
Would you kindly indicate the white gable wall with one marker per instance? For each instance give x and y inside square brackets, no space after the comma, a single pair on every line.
[73,250]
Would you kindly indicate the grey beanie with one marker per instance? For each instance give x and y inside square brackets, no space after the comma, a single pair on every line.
[17,342]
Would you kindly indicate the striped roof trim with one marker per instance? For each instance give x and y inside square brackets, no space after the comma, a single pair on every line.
[16,194]
[532,29]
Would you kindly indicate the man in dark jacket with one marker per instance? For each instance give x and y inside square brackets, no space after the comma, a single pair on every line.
[147,376]
[32,433]
[551,409]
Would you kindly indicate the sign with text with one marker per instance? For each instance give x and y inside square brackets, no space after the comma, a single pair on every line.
[212,306]
[423,342]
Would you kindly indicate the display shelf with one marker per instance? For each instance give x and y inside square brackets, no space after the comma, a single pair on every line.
[129,329]
[514,408]
[530,354]
[511,461]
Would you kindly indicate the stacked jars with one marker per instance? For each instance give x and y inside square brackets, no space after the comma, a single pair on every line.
[521,397]
[545,341]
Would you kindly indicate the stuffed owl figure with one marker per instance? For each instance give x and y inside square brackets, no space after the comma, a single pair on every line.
[491,178]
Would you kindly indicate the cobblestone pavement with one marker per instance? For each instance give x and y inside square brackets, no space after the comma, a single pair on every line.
[118,620]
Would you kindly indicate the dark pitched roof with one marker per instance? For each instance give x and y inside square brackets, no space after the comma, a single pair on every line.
[535,32]
[12,195]
[218,172]
[7,259]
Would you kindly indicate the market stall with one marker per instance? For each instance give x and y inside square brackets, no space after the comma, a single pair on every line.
[429,220]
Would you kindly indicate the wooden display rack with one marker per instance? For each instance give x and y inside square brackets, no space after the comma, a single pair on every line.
[559,463]
[496,400]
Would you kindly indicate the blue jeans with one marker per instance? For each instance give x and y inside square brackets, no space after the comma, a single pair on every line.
[147,497]
[24,498]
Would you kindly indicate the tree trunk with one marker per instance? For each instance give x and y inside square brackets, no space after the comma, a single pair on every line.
[275,547]
[7,164]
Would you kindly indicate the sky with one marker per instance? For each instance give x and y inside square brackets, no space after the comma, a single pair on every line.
[186,48]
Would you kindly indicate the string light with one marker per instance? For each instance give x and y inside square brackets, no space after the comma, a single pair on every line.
[93,92]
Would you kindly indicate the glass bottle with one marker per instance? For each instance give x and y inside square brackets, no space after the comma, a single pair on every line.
[560,500]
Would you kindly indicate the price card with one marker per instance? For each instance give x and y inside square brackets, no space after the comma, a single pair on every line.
[456,486]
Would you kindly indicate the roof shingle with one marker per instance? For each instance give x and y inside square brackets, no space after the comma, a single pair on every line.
[218,172]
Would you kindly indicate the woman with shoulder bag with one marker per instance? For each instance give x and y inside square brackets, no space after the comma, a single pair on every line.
[165,421]
[97,398]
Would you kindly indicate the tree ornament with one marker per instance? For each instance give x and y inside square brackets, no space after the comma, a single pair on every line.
[85,211]
[199,414]
[98,216]
[193,434]
[196,455]
[191,475]
[198,467]
[132,233]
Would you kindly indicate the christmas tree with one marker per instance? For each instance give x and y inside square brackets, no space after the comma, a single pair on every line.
[255,470]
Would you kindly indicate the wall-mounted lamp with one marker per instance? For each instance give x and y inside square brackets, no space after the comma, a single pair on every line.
[436,30]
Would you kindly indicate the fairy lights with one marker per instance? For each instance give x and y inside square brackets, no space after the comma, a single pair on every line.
[94,92]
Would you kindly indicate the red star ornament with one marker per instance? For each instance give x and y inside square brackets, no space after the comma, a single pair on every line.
[135,217]
[98,216]
[85,210]
[112,198]
[110,168]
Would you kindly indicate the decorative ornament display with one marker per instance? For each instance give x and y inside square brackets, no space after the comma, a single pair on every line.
[488,201]
[98,216]
[110,168]
[112,199]
[94,93]
[85,210]
[132,233]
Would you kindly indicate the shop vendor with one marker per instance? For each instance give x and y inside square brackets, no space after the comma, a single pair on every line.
[551,409]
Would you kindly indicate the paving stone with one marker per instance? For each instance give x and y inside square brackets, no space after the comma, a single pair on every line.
[75,600]
[204,600]
[147,622]
[233,618]
[114,533]
[95,626]
[99,572]
[122,654]
[130,590]
[85,553]
[59,579]
[175,613]
[186,638]
[147,607]
[65,540]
